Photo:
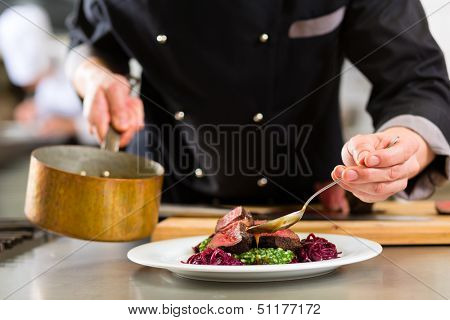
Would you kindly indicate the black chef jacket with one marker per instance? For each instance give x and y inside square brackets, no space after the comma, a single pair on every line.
[258,64]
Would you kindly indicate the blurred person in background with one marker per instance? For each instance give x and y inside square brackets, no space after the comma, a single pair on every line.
[34,62]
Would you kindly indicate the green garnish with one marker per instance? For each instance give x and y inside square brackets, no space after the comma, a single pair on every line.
[203,244]
[266,256]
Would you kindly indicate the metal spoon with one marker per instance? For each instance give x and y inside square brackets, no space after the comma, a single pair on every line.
[290,219]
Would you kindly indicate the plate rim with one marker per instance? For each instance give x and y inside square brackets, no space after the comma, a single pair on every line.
[374,247]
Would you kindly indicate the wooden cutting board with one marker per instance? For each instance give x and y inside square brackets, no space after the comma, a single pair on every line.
[431,229]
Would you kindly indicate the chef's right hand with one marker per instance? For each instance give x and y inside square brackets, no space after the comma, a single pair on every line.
[107,100]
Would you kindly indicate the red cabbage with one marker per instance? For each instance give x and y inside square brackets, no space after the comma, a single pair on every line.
[215,256]
[294,260]
[316,249]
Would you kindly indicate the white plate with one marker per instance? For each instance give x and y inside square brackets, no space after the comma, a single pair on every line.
[168,255]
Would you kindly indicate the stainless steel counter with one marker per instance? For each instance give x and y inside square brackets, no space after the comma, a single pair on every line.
[102,271]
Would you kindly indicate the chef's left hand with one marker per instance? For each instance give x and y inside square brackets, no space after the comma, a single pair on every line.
[373,172]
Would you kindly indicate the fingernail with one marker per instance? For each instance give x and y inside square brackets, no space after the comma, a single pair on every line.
[351,175]
[373,161]
[362,156]
[338,171]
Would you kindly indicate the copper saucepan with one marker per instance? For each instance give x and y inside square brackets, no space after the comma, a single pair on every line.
[94,194]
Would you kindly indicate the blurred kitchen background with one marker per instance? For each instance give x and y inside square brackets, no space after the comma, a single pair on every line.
[53,113]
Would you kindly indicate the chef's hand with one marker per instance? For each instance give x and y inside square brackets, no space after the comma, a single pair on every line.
[333,199]
[25,111]
[372,172]
[107,100]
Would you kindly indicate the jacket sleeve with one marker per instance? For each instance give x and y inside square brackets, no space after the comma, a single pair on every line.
[436,174]
[90,25]
[389,41]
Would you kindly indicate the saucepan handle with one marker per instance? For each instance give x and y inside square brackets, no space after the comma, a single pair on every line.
[112,140]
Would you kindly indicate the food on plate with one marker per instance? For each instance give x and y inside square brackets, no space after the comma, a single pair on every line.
[233,238]
[214,257]
[316,249]
[237,214]
[285,239]
[232,245]
[202,245]
[267,256]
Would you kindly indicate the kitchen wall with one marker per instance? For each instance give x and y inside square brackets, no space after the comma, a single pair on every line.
[356,88]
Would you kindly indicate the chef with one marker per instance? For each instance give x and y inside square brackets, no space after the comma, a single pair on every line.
[240,98]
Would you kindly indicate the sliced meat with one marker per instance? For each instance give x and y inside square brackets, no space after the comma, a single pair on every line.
[286,239]
[197,247]
[237,214]
[233,239]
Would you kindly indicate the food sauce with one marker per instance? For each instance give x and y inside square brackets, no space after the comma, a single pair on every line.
[257,235]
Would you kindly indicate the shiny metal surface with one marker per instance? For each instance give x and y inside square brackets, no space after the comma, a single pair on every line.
[161,38]
[17,140]
[112,140]
[102,271]
[199,173]
[263,38]
[290,219]
[116,200]
[261,182]
[258,117]
[179,116]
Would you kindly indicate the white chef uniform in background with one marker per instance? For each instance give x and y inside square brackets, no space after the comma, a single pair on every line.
[33,58]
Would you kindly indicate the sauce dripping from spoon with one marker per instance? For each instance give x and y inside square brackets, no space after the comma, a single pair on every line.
[257,235]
